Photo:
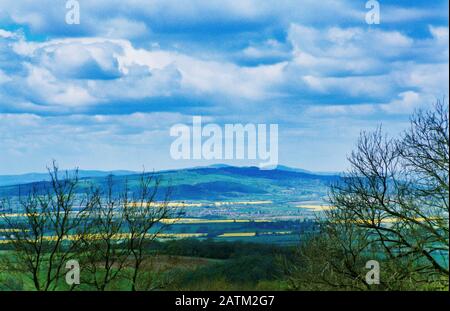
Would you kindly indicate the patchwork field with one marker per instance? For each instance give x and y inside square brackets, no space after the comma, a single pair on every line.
[222,203]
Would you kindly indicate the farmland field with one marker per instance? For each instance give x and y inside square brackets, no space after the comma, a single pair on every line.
[225,203]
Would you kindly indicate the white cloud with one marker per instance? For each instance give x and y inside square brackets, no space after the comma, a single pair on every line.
[106,17]
[351,61]
[139,73]
[429,78]
[406,104]
[47,89]
[333,110]
[123,28]
[309,61]
[354,50]
[268,49]
[90,141]
[6,34]
[440,34]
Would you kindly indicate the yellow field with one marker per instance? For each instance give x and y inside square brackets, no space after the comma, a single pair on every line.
[122,236]
[252,234]
[208,221]
[161,204]
[316,208]
[169,204]
[166,236]
[12,230]
[389,220]
[277,233]
[183,204]
[237,234]
[242,203]
[175,220]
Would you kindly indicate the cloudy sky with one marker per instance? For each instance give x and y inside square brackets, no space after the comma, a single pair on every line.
[103,94]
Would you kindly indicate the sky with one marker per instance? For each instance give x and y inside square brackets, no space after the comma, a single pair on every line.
[104,93]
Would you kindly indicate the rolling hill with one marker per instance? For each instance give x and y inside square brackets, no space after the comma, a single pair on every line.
[202,183]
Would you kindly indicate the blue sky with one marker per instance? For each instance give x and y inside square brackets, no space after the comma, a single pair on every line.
[103,94]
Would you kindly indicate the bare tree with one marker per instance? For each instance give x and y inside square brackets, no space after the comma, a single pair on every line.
[144,216]
[108,230]
[391,206]
[397,190]
[46,218]
[103,251]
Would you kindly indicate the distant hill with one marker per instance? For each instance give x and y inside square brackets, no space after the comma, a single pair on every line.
[219,182]
[8,180]
[291,169]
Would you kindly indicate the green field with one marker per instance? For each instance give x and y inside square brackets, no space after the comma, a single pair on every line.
[189,265]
